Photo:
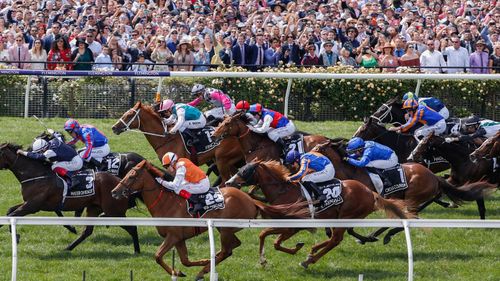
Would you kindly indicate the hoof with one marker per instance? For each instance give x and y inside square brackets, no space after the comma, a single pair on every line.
[263,262]
[387,239]
[371,239]
[304,264]
[181,274]
[452,205]
[360,242]
[198,278]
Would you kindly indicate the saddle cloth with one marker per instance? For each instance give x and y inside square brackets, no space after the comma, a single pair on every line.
[331,189]
[293,142]
[200,204]
[388,181]
[112,163]
[205,142]
[85,186]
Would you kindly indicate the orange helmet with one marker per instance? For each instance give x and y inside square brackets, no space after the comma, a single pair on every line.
[168,159]
[410,104]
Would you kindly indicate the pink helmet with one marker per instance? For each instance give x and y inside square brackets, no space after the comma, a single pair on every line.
[166,105]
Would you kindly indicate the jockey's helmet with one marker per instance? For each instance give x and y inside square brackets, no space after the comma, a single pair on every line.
[197,89]
[410,95]
[166,105]
[472,120]
[242,105]
[40,145]
[355,144]
[71,125]
[292,156]
[255,108]
[410,104]
[168,159]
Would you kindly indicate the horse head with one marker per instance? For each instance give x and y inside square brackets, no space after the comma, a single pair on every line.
[371,129]
[334,149]
[245,176]
[8,154]
[489,148]
[131,119]
[232,126]
[426,145]
[132,182]
[389,112]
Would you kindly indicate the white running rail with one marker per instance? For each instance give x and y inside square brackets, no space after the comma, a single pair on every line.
[213,223]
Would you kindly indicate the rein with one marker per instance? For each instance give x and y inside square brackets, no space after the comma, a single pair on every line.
[33,179]
[387,112]
[136,115]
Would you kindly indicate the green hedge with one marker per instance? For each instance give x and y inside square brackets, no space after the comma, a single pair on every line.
[311,99]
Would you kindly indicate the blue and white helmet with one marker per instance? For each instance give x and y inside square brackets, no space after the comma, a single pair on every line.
[197,89]
[40,145]
[355,144]
[292,156]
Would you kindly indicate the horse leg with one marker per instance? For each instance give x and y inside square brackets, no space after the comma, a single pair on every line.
[11,209]
[217,182]
[22,210]
[132,230]
[442,203]
[92,211]
[71,229]
[165,246]
[482,208]
[391,233]
[284,234]
[256,197]
[183,255]
[373,236]
[360,239]
[229,241]
[337,237]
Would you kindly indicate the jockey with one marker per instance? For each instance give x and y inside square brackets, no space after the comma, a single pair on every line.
[96,144]
[65,160]
[472,128]
[223,104]
[314,168]
[183,116]
[432,102]
[242,105]
[189,178]
[370,154]
[433,121]
[275,124]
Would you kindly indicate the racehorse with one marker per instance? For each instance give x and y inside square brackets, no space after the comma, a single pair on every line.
[463,170]
[162,203]
[423,185]
[489,149]
[374,129]
[40,190]
[142,117]
[358,202]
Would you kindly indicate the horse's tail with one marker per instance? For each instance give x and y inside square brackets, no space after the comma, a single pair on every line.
[393,208]
[296,210]
[466,192]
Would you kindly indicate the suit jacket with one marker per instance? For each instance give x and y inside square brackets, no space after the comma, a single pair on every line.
[237,57]
[254,54]
[22,55]
[293,56]
[271,57]
[225,58]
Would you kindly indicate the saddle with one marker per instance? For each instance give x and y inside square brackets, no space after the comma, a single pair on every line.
[198,141]
[200,204]
[393,179]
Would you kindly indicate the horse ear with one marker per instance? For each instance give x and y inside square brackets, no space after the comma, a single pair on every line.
[365,119]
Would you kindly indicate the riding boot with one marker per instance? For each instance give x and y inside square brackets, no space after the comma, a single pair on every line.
[282,145]
[312,187]
[95,163]
[71,180]
[194,139]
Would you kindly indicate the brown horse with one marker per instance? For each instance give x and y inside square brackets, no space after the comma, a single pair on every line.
[238,205]
[359,202]
[423,185]
[41,193]
[142,117]
[488,150]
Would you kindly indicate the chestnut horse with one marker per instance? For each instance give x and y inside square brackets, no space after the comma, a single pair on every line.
[142,117]
[463,170]
[238,205]
[41,193]
[488,150]
[423,185]
[359,202]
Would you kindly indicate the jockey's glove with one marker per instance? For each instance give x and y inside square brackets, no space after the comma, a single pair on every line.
[449,140]
[50,131]
[159,180]
[345,159]
[22,152]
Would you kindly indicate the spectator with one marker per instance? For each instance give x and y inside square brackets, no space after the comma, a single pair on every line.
[479,59]
[103,60]
[4,53]
[410,58]
[273,53]
[328,57]
[241,51]
[19,53]
[38,54]
[310,57]
[346,59]
[59,51]
[290,51]
[161,55]
[139,48]
[257,53]
[117,59]
[173,41]
[183,57]
[494,62]
[432,61]
[456,57]
[92,44]
[201,59]
[54,33]
[367,58]
[209,46]
[388,61]
[219,45]
[142,64]
[226,53]
[82,56]
[350,42]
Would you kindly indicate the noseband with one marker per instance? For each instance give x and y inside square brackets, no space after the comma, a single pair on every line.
[136,115]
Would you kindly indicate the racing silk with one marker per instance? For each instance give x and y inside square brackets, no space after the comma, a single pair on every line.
[424,115]
[91,137]
[310,162]
[270,119]
[372,151]
[481,132]
[186,171]
[180,113]
[432,102]
[215,97]
[57,151]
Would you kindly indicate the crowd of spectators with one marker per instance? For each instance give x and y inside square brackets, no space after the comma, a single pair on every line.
[194,35]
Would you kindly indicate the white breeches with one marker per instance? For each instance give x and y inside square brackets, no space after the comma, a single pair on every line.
[384,164]
[275,134]
[98,152]
[328,173]
[196,188]
[445,113]
[491,130]
[74,165]
[219,112]
[194,124]
[438,129]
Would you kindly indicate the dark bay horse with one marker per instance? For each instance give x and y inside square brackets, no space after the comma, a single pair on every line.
[423,185]
[142,117]
[359,202]
[488,150]
[41,193]
[161,203]
[463,170]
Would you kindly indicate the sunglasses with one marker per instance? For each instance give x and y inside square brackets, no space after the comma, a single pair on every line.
[19,40]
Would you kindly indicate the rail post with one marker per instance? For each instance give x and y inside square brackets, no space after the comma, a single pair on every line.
[27,97]
[213,272]
[45,97]
[132,92]
[13,234]
[410,250]
[287,96]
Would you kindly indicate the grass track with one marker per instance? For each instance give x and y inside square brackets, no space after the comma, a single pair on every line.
[440,254]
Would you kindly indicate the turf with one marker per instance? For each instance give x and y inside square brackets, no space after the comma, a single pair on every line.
[440,254]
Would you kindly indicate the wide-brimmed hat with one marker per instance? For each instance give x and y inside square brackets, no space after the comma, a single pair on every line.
[481,42]
[388,45]
[81,40]
[184,40]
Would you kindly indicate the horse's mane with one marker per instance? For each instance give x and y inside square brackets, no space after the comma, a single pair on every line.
[156,171]
[11,146]
[394,100]
[150,109]
[276,168]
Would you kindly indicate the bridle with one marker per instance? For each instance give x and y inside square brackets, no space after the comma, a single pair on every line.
[136,115]
[13,165]
[388,111]
[127,191]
